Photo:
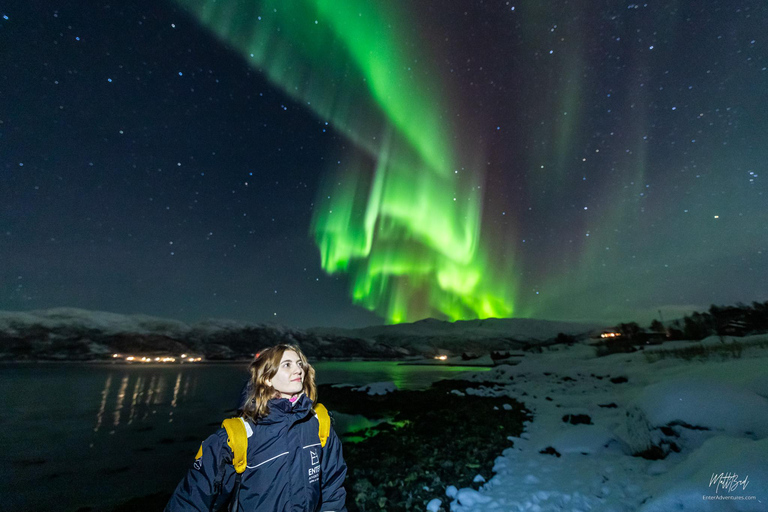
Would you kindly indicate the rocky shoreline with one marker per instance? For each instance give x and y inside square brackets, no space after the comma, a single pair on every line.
[436,438]
[433,438]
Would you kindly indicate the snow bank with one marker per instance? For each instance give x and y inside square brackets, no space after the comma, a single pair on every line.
[706,403]
[684,487]
[590,415]
[377,388]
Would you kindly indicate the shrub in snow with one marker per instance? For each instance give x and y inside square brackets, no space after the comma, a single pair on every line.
[451,491]
[639,431]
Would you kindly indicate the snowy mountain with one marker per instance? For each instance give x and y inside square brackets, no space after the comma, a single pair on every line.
[69,333]
[76,334]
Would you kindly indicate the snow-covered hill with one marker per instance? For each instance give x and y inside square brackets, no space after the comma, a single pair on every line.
[69,333]
[76,334]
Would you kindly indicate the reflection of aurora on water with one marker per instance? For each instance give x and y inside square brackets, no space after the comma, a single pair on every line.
[402,215]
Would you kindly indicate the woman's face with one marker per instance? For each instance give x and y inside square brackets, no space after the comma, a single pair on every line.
[289,379]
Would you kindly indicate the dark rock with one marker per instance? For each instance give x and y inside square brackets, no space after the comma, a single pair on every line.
[550,451]
[577,419]
[687,425]
[655,452]
[619,380]
[668,431]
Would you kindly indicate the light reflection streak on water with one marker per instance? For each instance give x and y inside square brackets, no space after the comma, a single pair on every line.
[151,390]
[159,389]
[150,395]
[103,406]
[136,397]
[120,398]
[176,388]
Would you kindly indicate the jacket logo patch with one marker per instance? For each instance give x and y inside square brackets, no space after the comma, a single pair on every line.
[314,472]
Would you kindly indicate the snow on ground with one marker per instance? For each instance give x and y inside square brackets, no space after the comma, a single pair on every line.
[710,418]
[377,388]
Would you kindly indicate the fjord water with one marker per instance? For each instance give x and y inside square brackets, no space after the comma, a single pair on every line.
[95,435]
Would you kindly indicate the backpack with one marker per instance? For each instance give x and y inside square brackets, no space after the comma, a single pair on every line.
[237,439]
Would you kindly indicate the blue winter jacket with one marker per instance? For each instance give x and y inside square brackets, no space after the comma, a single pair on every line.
[287,469]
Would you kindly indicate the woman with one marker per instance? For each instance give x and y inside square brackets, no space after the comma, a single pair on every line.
[287,468]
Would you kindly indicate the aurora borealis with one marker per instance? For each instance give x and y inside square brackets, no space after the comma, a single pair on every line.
[305,162]
[392,219]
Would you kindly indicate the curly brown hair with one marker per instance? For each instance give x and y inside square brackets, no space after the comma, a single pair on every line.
[263,369]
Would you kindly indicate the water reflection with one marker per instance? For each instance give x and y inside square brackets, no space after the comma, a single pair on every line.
[103,406]
[141,395]
[150,395]
[134,395]
[135,398]
[175,399]
[351,423]
[120,398]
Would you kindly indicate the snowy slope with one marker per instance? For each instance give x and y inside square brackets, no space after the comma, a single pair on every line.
[715,413]
[12,322]
[77,334]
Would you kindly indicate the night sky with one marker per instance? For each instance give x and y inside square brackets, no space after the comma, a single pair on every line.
[303,163]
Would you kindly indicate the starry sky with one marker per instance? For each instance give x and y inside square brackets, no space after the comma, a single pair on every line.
[350,163]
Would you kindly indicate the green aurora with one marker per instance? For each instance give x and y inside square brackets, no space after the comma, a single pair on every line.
[403,215]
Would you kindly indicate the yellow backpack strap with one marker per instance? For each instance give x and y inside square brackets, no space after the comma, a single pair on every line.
[325,423]
[237,439]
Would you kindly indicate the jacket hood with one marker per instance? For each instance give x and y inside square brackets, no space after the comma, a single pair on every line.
[282,409]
